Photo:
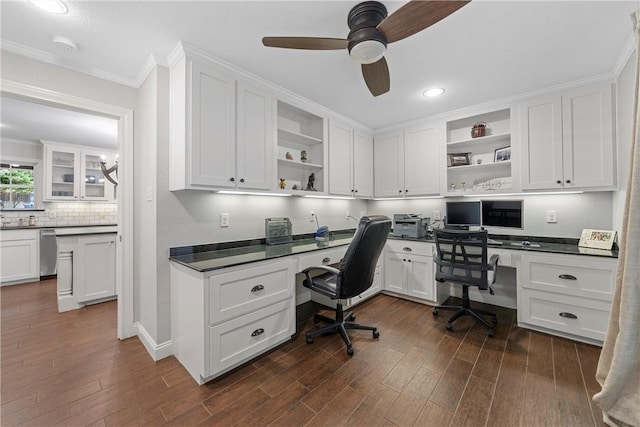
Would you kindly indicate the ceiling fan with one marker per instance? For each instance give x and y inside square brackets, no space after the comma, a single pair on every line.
[370,32]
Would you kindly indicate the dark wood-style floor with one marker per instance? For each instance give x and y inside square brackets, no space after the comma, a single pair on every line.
[69,369]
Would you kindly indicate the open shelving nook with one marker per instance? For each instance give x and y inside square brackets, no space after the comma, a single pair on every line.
[301,149]
[486,160]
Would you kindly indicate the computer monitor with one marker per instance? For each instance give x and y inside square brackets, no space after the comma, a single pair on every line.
[502,213]
[462,214]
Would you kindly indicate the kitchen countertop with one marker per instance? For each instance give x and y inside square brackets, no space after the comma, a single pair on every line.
[221,255]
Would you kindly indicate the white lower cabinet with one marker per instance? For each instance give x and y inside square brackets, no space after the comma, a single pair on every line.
[223,318]
[566,295]
[408,270]
[20,257]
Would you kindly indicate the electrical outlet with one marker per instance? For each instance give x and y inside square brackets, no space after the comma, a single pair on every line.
[224,220]
[552,216]
[311,216]
[436,215]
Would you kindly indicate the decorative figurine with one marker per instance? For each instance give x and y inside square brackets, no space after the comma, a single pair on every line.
[288,156]
[312,182]
[283,184]
[303,156]
[295,187]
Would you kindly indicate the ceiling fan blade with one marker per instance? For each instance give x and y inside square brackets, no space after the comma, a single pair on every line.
[376,76]
[415,16]
[311,43]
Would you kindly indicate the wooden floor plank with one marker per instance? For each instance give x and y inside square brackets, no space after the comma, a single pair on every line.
[474,405]
[452,384]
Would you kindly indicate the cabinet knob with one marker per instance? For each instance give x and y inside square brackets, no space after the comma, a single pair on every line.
[568,315]
[568,181]
[404,260]
[257,332]
[407,249]
[408,260]
[356,191]
[241,179]
[257,288]
[326,260]
[232,179]
[406,191]
[400,191]
[558,182]
[567,276]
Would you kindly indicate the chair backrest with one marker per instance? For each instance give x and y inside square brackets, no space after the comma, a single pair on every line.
[359,263]
[462,257]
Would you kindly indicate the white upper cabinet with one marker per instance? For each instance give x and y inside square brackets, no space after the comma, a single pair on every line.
[350,161]
[72,173]
[222,129]
[567,140]
[406,162]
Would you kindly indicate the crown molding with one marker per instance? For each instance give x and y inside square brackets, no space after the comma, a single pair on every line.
[627,51]
[48,58]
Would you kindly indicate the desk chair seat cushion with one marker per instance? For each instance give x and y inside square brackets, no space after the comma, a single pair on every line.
[325,284]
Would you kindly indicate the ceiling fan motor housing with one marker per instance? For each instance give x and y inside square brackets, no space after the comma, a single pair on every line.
[366,43]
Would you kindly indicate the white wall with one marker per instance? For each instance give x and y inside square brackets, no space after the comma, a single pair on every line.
[575,212]
[13,149]
[625,97]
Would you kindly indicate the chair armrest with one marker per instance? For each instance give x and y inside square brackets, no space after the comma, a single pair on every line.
[493,263]
[319,267]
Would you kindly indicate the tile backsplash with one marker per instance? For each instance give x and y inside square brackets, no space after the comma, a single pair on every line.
[65,213]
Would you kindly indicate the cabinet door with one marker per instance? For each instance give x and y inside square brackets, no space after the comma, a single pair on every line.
[211,131]
[541,136]
[420,280]
[19,260]
[388,157]
[363,164]
[94,267]
[587,137]
[394,272]
[340,159]
[422,160]
[93,184]
[255,142]
[62,174]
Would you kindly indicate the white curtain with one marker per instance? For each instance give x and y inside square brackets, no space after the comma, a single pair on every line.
[619,366]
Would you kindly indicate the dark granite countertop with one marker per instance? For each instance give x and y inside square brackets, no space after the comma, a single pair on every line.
[557,245]
[214,256]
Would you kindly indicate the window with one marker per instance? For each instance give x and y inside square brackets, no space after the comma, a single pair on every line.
[17,186]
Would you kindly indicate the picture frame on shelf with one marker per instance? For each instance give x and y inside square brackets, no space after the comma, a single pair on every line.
[502,154]
[597,239]
[458,159]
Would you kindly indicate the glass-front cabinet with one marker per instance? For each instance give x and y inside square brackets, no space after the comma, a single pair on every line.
[74,173]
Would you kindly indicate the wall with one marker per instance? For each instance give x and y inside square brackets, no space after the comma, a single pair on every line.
[626,94]
[67,213]
[575,212]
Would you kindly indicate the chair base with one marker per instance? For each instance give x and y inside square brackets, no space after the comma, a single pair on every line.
[465,310]
[339,325]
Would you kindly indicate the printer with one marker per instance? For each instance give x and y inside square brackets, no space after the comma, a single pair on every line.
[410,225]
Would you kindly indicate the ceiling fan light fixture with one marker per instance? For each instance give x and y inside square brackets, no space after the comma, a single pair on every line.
[433,92]
[53,6]
[368,51]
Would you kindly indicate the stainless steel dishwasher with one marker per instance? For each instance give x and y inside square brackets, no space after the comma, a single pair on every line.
[48,252]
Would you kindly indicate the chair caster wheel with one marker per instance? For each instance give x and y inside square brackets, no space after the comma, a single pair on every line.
[309,340]
[494,320]
[350,351]
[352,318]
[316,319]
[376,334]
[490,333]
[449,327]
[435,312]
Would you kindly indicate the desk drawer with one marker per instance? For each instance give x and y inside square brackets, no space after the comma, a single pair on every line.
[579,316]
[242,338]
[322,257]
[244,290]
[582,276]
[410,247]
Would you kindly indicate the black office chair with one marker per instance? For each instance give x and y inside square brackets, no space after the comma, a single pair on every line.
[354,276]
[462,259]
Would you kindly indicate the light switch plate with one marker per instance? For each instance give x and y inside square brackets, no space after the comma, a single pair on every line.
[552,216]
[224,220]
[436,215]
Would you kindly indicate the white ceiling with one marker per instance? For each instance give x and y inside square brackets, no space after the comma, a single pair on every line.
[487,50]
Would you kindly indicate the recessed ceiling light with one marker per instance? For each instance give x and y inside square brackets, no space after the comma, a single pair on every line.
[53,6]
[434,91]
[64,43]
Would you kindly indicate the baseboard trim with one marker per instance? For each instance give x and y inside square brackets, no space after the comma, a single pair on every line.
[156,351]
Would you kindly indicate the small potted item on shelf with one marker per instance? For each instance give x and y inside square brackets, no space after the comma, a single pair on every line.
[478,130]
[303,156]
[288,156]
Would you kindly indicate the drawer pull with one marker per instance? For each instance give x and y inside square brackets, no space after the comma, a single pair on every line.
[257,332]
[567,276]
[257,288]
[407,249]
[568,315]
[326,260]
